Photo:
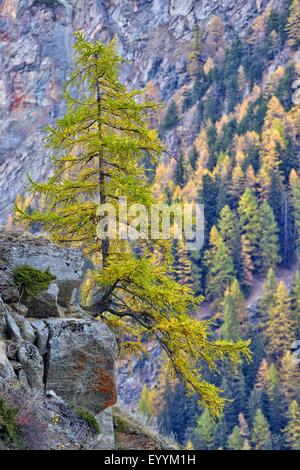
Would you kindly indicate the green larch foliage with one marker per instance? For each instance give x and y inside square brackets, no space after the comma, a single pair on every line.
[99,147]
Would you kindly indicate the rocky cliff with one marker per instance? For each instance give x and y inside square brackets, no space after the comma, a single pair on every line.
[57,366]
[36,41]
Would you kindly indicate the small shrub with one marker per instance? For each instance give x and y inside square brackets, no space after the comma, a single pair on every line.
[90,419]
[32,281]
[9,428]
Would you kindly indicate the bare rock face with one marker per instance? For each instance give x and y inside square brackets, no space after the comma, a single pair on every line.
[80,363]
[63,363]
[17,249]
[36,56]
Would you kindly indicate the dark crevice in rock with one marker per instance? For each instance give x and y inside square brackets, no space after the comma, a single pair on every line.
[46,358]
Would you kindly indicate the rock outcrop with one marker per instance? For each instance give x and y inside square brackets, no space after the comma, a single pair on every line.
[36,56]
[67,358]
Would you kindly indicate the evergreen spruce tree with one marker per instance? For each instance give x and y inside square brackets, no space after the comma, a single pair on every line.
[290,378]
[268,245]
[295,197]
[293,27]
[261,435]
[247,264]
[292,430]
[235,440]
[179,173]
[171,117]
[250,223]
[230,234]
[279,330]
[205,431]
[275,400]
[220,266]
[239,302]
[207,197]
[230,327]
[267,301]
[183,265]
[100,146]
[295,302]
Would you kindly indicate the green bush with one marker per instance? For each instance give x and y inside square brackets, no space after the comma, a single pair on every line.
[90,419]
[9,429]
[32,281]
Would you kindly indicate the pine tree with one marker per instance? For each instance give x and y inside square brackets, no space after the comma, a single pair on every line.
[279,330]
[292,430]
[268,245]
[261,435]
[235,440]
[293,27]
[100,146]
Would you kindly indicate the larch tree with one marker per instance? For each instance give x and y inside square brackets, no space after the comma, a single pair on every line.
[99,148]
[146,403]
